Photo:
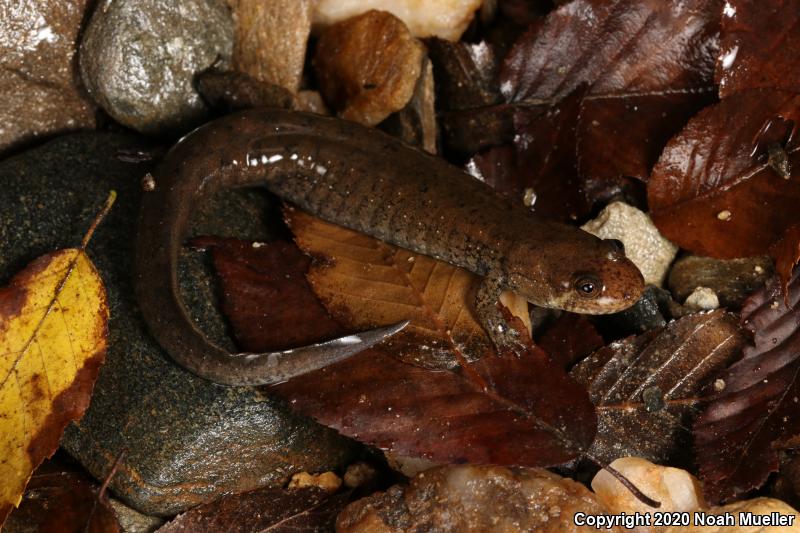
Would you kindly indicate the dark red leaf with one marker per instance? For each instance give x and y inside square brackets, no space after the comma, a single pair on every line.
[625,136]
[649,65]
[61,500]
[538,169]
[569,339]
[786,253]
[501,409]
[530,413]
[713,191]
[272,510]
[739,436]
[758,47]
[265,293]
[647,388]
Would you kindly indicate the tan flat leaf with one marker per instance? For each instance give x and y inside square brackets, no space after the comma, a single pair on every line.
[53,325]
[387,284]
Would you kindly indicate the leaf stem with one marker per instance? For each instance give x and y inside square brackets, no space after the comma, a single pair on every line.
[112,197]
[627,483]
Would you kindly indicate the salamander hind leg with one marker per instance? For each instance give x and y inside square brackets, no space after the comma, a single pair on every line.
[502,334]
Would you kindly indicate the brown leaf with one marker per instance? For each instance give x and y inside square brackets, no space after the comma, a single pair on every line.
[758,46]
[649,65]
[367,66]
[273,509]
[647,389]
[714,192]
[739,435]
[786,253]
[58,500]
[500,409]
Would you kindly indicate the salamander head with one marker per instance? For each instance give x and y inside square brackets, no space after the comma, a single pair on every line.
[582,275]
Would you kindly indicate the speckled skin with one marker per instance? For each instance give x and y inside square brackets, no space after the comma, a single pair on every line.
[365,180]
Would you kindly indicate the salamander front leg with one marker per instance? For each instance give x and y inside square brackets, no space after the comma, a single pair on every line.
[486,307]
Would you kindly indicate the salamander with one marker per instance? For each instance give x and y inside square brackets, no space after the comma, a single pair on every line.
[365,180]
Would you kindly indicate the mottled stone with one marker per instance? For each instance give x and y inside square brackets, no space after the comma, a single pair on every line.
[131,520]
[271,39]
[187,440]
[41,92]
[674,488]
[651,252]
[367,67]
[139,58]
[647,313]
[702,299]
[732,280]
[474,499]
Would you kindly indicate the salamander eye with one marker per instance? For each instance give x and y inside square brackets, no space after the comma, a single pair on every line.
[616,244]
[587,285]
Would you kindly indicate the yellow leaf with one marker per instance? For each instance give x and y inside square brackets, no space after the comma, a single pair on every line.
[53,328]
[365,282]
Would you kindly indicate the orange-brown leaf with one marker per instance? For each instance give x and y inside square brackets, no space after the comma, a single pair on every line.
[364,282]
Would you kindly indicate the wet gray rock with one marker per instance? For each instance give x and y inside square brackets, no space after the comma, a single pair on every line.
[41,92]
[139,58]
[132,521]
[732,280]
[187,440]
[646,314]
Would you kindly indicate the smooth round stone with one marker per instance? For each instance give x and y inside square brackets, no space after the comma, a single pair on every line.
[138,59]
[186,440]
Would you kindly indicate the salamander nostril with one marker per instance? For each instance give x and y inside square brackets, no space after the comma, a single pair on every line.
[616,244]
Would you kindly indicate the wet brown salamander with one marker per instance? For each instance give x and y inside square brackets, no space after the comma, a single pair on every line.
[365,180]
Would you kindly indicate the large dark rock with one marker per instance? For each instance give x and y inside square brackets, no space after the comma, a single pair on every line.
[41,93]
[187,440]
[139,58]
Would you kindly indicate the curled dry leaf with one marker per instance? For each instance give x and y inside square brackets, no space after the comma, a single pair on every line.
[738,437]
[649,65]
[648,388]
[500,409]
[263,510]
[368,66]
[714,191]
[53,327]
[758,46]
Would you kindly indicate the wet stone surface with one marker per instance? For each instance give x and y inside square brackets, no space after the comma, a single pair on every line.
[187,440]
[138,59]
[41,93]
[732,280]
[473,499]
